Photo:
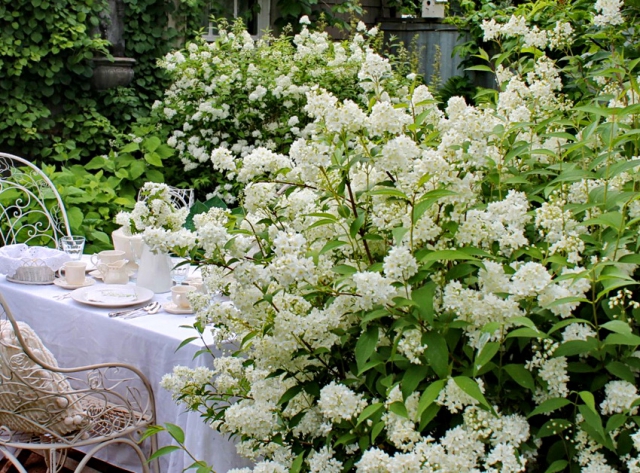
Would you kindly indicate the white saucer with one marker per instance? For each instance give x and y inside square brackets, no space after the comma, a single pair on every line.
[98,275]
[174,309]
[60,282]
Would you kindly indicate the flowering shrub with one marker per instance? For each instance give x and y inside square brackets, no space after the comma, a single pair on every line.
[417,291]
[237,94]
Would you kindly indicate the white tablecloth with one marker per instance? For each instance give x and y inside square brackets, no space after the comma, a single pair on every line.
[79,334]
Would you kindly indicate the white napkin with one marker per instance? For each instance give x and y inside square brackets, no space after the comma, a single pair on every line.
[13,257]
[110,296]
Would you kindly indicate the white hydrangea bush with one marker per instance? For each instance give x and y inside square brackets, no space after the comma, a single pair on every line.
[238,94]
[413,289]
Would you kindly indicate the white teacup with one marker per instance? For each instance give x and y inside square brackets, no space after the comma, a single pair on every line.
[198,283]
[107,257]
[74,272]
[179,296]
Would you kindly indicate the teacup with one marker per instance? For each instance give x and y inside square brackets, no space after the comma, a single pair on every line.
[198,283]
[74,272]
[114,273]
[107,257]
[179,296]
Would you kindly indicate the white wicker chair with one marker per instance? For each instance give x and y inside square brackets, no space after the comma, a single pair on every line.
[51,410]
[31,209]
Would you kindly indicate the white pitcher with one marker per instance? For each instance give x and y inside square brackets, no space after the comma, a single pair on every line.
[114,273]
[154,271]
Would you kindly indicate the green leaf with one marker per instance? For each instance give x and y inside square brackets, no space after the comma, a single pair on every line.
[558,465]
[153,159]
[130,147]
[549,405]
[576,347]
[621,370]
[413,376]
[617,326]
[389,191]
[176,432]
[446,255]
[610,219]
[553,427]
[368,412]
[344,269]
[296,466]
[366,345]
[437,353]
[423,297]
[593,426]
[622,339]
[521,375]
[486,355]
[163,451]
[151,144]
[356,225]
[588,399]
[471,387]
[330,245]
[526,332]
[430,395]
[398,408]
[290,393]
[375,431]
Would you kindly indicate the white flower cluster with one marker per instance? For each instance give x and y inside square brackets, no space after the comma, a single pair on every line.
[503,222]
[337,402]
[619,395]
[531,36]
[155,209]
[608,13]
[483,442]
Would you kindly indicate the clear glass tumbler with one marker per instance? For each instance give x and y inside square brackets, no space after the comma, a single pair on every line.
[73,246]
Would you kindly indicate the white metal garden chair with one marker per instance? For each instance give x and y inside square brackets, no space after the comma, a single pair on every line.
[31,209]
[51,410]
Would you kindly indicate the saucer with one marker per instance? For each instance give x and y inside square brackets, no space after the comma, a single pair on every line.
[98,275]
[174,309]
[61,282]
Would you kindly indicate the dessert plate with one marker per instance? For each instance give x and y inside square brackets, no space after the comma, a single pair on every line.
[112,295]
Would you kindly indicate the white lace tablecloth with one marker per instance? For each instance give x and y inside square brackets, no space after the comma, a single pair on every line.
[78,334]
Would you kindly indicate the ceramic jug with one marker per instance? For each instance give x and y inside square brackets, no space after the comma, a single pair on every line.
[154,271]
[114,273]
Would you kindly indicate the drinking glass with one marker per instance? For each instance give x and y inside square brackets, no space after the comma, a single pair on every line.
[73,246]
[179,273]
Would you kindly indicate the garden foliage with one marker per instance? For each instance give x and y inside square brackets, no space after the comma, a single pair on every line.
[417,290]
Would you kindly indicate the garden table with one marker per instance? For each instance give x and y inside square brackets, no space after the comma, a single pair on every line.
[79,334]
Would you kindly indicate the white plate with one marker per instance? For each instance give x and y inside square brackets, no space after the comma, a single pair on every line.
[61,282]
[174,309]
[19,281]
[98,275]
[112,295]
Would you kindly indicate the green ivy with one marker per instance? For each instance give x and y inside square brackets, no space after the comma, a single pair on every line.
[46,105]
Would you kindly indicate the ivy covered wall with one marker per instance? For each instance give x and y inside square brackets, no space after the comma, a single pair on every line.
[48,110]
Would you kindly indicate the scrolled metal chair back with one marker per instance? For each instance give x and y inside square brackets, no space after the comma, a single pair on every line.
[31,209]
